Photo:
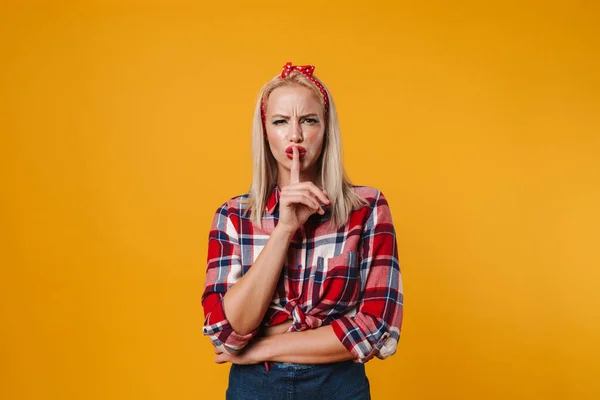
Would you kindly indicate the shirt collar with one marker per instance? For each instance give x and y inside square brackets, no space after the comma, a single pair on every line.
[273,200]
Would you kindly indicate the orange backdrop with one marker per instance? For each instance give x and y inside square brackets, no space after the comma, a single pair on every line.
[125,125]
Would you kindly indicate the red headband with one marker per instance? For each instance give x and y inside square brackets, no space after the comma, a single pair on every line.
[307,70]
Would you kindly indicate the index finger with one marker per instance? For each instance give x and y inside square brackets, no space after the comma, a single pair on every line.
[295,171]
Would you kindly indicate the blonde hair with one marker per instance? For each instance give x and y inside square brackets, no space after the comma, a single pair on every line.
[332,175]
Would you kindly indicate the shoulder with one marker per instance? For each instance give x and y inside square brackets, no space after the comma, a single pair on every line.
[372,194]
[236,205]
[378,204]
[228,215]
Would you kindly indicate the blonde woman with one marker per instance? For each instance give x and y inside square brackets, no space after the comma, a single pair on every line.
[303,283]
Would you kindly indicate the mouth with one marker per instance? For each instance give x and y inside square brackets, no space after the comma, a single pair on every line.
[290,153]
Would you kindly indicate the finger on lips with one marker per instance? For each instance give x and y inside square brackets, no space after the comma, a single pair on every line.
[320,197]
[295,171]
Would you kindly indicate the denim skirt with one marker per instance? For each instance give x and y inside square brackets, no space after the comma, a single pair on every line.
[345,380]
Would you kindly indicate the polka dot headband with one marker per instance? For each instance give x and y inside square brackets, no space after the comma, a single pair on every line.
[306,70]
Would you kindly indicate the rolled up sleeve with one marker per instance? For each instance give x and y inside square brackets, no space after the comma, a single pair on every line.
[223,270]
[374,329]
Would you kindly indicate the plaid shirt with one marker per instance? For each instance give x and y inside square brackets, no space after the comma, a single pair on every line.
[348,278]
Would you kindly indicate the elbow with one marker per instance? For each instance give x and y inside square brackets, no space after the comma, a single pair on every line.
[388,346]
[384,348]
[242,329]
[220,332]
[366,337]
[223,337]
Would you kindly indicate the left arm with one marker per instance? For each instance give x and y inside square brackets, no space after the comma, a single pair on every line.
[313,346]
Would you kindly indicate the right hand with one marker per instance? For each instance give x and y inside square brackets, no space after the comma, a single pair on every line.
[299,200]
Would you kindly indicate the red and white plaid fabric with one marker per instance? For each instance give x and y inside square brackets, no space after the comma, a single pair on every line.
[348,278]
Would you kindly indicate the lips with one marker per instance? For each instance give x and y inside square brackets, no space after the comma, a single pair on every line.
[290,152]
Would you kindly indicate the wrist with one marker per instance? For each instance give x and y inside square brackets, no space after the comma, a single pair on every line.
[284,231]
[268,348]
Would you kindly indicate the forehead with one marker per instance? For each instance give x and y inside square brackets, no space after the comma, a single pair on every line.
[293,98]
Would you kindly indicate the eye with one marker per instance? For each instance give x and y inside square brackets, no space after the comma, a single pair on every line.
[311,121]
[278,121]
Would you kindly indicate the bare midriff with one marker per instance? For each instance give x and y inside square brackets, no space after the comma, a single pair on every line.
[277,329]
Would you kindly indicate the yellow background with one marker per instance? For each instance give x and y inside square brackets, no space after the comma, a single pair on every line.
[125,125]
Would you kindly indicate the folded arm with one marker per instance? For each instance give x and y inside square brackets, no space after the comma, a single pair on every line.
[374,328]
[234,303]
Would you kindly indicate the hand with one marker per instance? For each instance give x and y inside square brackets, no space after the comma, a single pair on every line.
[299,200]
[253,353]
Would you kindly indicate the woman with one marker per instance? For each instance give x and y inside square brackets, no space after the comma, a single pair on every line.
[303,283]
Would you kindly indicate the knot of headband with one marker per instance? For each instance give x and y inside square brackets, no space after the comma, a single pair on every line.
[306,70]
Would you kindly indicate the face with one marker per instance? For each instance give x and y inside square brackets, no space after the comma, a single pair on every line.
[294,117]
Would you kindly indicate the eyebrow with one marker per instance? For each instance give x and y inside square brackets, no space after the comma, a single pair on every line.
[302,116]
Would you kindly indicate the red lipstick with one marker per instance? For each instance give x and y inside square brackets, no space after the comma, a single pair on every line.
[290,152]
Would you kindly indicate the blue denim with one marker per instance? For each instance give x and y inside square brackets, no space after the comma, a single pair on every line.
[344,380]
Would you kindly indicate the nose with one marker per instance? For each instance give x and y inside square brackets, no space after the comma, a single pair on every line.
[295,134]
